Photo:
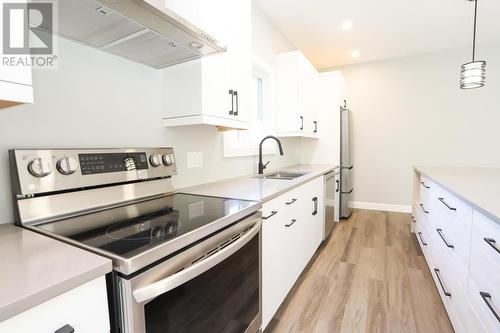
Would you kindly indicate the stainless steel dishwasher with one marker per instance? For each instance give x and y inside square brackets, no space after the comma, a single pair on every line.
[332,202]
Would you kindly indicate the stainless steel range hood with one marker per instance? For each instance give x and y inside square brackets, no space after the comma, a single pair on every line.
[144,31]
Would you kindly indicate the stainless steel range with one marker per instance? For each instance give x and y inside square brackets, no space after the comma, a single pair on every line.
[182,262]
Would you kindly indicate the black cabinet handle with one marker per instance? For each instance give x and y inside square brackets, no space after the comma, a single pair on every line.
[447,206]
[348,192]
[423,208]
[440,232]
[273,212]
[301,123]
[237,103]
[350,167]
[421,239]
[423,184]
[65,329]
[438,275]
[291,202]
[315,206]
[315,126]
[491,242]
[290,224]
[413,219]
[337,185]
[231,92]
[487,299]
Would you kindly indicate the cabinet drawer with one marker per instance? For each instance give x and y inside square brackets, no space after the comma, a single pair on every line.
[273,209]
[455,249]
[84,308]
[460,311]
[486,236]
[455,208]
[425,243]
[485,278]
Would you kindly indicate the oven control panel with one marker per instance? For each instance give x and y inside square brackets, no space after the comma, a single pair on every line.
[51,170]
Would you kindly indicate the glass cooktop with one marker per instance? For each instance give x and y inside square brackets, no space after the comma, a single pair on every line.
[129,230]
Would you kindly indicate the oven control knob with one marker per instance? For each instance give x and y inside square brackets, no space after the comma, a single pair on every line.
[167,159]
[67,165]
[155,160]
[40,167]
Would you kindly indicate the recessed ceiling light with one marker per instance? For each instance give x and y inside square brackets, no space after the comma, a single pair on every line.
[346,25]
[355,53]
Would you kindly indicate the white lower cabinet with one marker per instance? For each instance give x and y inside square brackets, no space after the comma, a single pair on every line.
[461,249]
[292,230]
[84,308]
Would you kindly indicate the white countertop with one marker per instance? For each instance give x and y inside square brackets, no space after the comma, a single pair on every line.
[479,187]
[260,189]
[36,268]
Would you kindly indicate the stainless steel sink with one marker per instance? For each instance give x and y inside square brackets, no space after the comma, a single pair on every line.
[283,175]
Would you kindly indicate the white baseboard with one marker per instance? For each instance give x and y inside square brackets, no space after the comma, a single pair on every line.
[380,206]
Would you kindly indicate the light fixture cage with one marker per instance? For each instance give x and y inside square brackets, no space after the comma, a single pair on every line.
[473,75]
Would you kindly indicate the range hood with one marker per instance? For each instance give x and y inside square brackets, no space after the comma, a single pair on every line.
[144,31]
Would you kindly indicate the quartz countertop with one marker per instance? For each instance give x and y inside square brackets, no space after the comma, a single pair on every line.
[256,188]
[479,187]
[36,268]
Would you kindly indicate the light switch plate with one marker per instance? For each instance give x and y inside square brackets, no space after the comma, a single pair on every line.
[194,159]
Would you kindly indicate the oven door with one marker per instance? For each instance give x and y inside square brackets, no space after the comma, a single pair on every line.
[213,286]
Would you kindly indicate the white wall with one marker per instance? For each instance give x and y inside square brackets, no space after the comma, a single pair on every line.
[95,99]
[410,111]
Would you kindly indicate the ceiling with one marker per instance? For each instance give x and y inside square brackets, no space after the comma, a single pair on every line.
[381,29]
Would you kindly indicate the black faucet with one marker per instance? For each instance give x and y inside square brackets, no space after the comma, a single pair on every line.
[262,166]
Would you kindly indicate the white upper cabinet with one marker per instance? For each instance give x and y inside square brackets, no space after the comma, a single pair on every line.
[15,81]
[296,82]
[214,90]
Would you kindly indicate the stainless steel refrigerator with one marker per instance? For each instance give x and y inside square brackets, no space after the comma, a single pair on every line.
[345,162]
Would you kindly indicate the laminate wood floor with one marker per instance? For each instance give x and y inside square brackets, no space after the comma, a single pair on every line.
[369,276]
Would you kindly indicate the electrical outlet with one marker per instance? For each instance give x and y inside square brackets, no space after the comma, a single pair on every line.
[194,159]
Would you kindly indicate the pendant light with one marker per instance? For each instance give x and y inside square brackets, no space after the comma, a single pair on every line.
[473,74]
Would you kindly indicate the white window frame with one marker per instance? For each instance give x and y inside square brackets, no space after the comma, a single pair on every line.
[234,143]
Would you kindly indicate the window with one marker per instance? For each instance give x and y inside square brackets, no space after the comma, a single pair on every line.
[246,142]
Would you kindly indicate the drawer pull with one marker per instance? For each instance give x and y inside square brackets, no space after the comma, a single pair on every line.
[291,202]
[290,224]
[423,184]
[273,212]
[423,208]
[65,329]
[315,206]
[438,275]
[440,232]
[447,206]
[421,239]
[491,242]
[487,298]
[413,219]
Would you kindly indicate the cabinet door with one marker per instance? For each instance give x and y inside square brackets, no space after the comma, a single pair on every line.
[287,93]
[216,69]
[240,53]
[307,94]
[317,193]
[275,246]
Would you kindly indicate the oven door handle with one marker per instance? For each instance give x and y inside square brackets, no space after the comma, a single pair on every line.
[158,288]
